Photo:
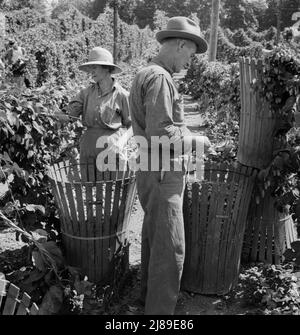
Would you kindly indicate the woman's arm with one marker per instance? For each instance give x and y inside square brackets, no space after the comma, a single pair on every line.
[73,111]
[125,112]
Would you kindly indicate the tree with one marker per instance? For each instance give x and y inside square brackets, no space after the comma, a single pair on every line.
[126,11]
[44,7]
[269,17]
[84,6]
[8,5]
[239,14]
[98,7]
[288,7]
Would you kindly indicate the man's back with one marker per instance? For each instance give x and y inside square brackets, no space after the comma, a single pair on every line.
[156,106]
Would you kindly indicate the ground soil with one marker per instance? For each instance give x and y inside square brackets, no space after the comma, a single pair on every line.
[13,256]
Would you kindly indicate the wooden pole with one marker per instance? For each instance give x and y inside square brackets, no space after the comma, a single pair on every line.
[2,30]
[278,21]
[213,39]
[115,52]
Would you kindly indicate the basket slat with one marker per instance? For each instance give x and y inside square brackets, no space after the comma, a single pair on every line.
[99,226]
[231,242]
[208,270]
[194,227]
[11,300]
[24,304]
[75,256]
[201,255]
[107,213]
[114,216]
[121,218]
[81,222]
[231,189]
[219,226]
[90,224]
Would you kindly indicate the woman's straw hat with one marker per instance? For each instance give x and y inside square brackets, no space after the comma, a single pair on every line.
[100,56]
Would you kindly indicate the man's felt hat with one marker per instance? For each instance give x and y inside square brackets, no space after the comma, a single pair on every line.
[183,27]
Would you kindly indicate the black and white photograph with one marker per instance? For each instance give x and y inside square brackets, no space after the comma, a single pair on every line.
[149,161]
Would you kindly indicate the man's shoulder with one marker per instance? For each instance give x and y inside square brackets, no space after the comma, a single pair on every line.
[150,73]
[154,69]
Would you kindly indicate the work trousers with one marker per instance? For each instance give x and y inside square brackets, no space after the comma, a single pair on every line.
[163,243]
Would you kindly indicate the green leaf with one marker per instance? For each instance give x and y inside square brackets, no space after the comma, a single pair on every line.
[55,253]
[38,261]
[52,301]
[34,208]
[34,276]
[39,129]
[30,153]
[83,287]
[40,235]
[12,119]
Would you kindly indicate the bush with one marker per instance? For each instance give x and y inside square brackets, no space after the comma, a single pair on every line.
[273,289]
[214,82]
[56,47]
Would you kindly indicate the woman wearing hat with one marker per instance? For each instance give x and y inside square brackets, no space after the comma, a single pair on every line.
[103,105]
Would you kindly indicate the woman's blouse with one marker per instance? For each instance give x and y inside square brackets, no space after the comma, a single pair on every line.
[108,110]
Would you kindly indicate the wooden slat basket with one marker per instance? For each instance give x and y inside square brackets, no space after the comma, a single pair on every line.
[95,216]
[13,302]
[256,133]
[268,232]
[215,217]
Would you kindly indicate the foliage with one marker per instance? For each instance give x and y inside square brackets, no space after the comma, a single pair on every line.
[273,289]
[31,139]
[55,48]
[280,86]
[21,20]
[228,52]
[213,83]
[239,14]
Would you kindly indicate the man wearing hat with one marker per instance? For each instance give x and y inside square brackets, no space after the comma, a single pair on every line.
[156,110]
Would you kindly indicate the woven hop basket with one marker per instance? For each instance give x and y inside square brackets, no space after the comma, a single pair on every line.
[94,216]
[215,211]
[268,232]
